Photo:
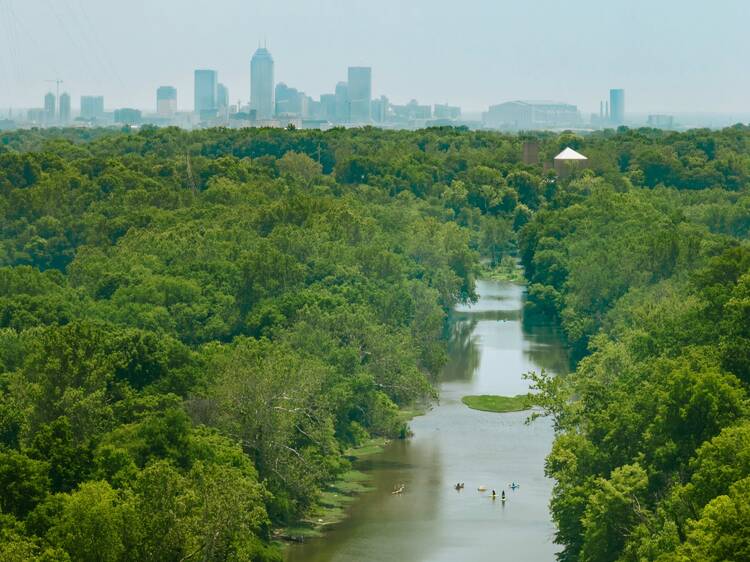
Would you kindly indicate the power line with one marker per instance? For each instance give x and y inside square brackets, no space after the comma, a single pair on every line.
[9,31]
[98,46]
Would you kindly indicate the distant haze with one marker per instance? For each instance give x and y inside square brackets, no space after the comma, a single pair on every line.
[669,55]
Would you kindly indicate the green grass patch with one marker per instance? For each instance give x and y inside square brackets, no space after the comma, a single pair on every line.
[491,403]
[298,533]
[352,482]
[416,410]
[370,447]
[507,270]
[331,507]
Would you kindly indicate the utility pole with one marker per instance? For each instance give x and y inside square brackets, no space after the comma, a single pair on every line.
[57,82]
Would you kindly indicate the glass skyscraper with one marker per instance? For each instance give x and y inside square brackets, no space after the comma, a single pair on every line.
[222,97]
[617,106]
[50,103]
[262,84]
[342,102]
[360,94]
[92,107]
[65,107]
[206,91]
[166,101]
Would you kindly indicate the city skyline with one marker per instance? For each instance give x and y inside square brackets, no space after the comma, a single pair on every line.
[581,56]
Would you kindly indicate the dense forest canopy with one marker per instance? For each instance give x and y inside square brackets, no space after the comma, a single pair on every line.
[194,327]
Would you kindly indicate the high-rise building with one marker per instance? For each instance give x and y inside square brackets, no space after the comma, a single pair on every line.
[262,84]
[206,90]
[360,93]
[92,107]
[617,106]
[222,98]
[379,109]
[288,100]
[312,109]
[65,108]
[342,102]
[166,101]
[328,106]
[49,107]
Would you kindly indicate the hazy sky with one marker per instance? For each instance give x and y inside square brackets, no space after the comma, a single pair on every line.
[669,55]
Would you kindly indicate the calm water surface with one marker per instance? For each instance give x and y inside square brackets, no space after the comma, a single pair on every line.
[491,346]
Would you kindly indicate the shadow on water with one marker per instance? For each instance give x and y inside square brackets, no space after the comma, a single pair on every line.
[544,338]
[463,352]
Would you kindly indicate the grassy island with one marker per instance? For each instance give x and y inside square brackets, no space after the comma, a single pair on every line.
[500,404]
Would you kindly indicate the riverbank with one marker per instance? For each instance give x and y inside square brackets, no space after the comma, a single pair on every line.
[490,348]
[335,500]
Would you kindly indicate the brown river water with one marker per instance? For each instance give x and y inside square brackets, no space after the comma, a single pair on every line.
[491,346]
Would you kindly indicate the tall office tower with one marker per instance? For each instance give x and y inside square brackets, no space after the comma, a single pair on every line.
[65,108]
[261,84]
[379,109]
[360,94]
[166,101]
[288,100]
[314,109]
[206,89]
[617,106]
[49,108]
[92,107]
[342,102]
[222,98]
[328,106]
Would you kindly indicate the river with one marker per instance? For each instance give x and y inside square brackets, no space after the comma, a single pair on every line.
[491,346]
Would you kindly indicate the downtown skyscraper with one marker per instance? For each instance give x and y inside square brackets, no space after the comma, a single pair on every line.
[206,91]
[92,107]
[50,105]
[262,84]
[65,108]
[360,94]
[617,106]
[166,101]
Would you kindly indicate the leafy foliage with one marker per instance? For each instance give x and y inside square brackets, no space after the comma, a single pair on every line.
[650,458]
[194,327]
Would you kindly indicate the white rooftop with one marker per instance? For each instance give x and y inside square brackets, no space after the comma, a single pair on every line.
[570,154]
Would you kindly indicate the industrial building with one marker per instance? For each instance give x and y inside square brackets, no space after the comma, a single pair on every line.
[528,115]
